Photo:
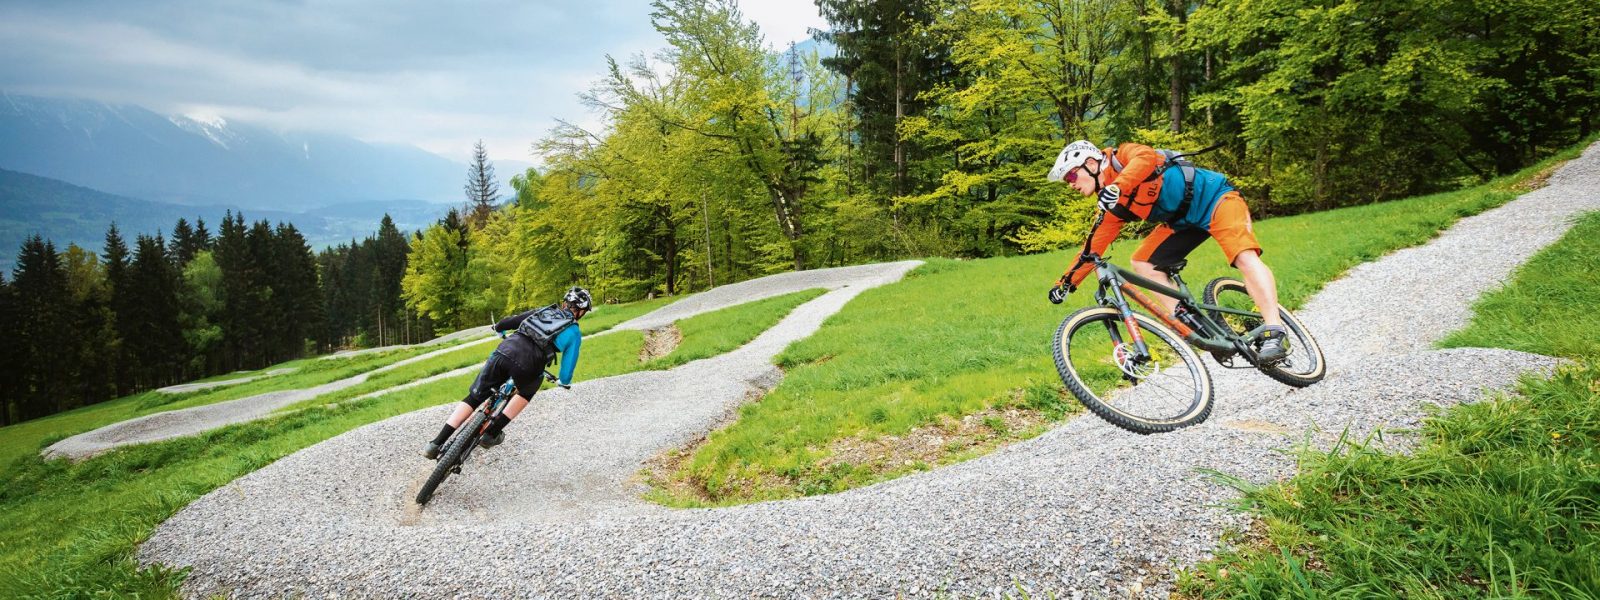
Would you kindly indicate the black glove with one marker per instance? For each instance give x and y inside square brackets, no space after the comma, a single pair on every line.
[1059,293]
[1109,195]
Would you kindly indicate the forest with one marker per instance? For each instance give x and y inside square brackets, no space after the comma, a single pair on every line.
[930,130]
[926,132]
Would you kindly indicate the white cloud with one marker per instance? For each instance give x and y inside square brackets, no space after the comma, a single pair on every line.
[423,74]
[783,21]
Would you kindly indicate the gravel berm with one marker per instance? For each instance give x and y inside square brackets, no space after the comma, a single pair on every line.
[1085,510]
[190,421]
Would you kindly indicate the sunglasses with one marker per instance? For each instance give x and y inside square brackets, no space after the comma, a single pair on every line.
[1072,176]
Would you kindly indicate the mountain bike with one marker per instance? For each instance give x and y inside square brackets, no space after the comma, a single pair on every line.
[465,439]
[1141,373]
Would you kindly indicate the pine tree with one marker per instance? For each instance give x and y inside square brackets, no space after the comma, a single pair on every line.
[239,326]
[186,242]
[122,363]
[88,310]
[388,251]
[40,285]
[157,335]
[890,64]
[10,367]
[295,291]
[201,236]
[483,192]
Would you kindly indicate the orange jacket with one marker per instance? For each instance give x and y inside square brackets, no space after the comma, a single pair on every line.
[1138,196]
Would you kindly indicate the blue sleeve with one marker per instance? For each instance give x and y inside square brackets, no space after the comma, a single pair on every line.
[567,342]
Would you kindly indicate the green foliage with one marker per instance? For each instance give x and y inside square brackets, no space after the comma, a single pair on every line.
[435,270]
[979,330]
[1499,500]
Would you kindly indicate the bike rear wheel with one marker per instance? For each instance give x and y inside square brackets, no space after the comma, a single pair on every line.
[450,458]
[1097,360]
[1305,363]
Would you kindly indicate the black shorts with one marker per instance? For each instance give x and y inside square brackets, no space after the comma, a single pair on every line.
[515,359]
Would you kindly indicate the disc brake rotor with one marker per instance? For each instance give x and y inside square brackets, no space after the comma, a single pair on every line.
[1128,360]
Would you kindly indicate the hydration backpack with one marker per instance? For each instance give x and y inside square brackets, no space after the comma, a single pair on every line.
[544,325]
[1186,168]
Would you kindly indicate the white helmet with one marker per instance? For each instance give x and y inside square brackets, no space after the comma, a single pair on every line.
[1072,157]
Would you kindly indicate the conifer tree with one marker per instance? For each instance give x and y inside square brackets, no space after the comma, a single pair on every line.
[156,335]
[483,192]
[41,325]
[122,363]
[10,369]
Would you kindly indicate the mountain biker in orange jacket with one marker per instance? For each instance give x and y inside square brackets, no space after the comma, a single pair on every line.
[1135,194]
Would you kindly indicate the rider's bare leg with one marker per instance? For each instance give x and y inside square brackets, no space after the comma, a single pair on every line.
[1148,271]
[1261,285]
[460,415]
[515,407]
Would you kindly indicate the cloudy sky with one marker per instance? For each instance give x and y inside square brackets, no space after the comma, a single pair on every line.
[439,75]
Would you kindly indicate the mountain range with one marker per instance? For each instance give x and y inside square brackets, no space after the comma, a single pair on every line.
[68,214]
[131,151]
[69,168]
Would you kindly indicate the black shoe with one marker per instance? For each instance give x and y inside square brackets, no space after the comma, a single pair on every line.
[432,451]
[1274,345]
[490,440]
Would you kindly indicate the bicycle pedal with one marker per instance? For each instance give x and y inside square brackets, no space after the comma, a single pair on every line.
[456,469]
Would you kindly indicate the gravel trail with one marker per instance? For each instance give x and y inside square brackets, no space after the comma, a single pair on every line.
[200,419]
[206,385]
[1083,510]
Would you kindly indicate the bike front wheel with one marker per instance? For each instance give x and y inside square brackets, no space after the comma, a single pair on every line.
[1162,389]
[465,436]
[1305,363]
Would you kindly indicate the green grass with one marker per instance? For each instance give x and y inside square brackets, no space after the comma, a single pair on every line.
[715,333]
[959,337]
[70,530]
[1501,498]
[615,353]
[1551,308]
[474,352]
[27,438]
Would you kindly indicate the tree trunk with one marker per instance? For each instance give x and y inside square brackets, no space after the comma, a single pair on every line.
[1149,64]
[1175,87]
[899,113]
[1175,94]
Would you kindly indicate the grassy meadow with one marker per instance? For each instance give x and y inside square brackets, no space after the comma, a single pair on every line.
[1500,499]
[70,529]
[970,338]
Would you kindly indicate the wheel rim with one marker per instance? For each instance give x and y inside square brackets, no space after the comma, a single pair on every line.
[1159,388]
[1303,359]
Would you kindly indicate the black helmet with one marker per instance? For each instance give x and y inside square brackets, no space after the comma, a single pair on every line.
[579,298]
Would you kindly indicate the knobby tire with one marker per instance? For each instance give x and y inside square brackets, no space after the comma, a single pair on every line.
[1093,316]
[1298,335]
[464,438]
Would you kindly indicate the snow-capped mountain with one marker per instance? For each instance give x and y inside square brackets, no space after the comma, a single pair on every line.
[206,160]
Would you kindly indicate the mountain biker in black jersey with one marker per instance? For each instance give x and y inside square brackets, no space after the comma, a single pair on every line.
[535,339]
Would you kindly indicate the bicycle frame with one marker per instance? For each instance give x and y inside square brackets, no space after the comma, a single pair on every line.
[1198,330]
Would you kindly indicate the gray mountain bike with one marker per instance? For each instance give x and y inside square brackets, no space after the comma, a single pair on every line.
[1141,373]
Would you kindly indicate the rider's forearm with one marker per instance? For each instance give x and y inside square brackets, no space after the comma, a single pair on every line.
[1099,241]
[510,323]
